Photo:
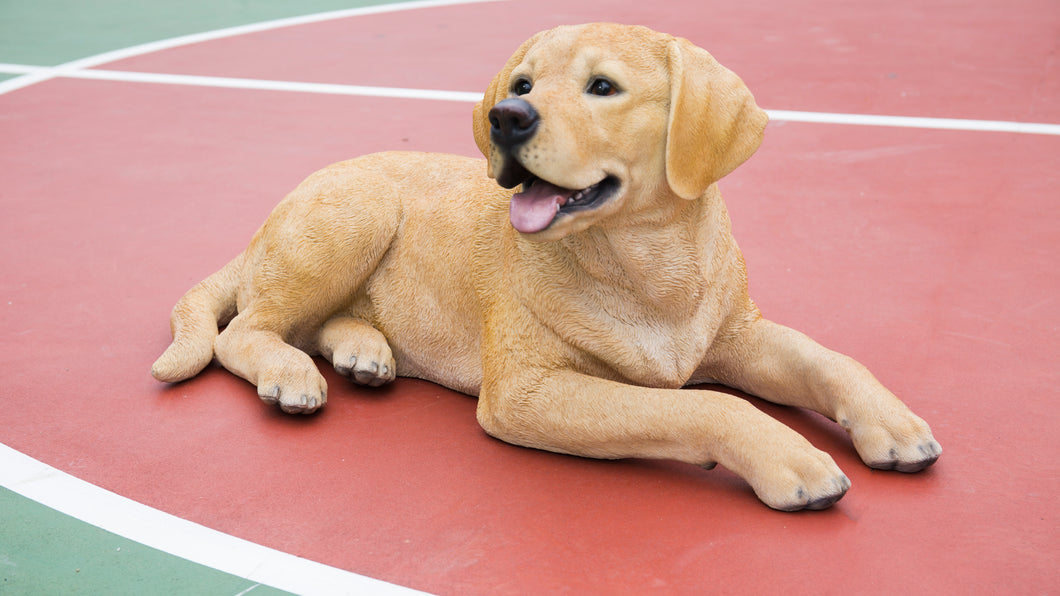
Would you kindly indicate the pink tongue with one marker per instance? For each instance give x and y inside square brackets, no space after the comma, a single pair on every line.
[534,209]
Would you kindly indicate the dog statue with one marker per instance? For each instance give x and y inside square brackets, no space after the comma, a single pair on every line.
[576,308]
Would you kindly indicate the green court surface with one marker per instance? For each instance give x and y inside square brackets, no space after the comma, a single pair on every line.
[45,552]
[51,32]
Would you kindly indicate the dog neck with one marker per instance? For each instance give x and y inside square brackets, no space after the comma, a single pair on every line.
[641,296]
[662,258]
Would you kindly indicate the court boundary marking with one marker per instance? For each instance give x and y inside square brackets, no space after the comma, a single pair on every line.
[183,40]
[237,83]
[176,536]
[36,74]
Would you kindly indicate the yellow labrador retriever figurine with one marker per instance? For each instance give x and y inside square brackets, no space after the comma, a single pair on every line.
[575,308]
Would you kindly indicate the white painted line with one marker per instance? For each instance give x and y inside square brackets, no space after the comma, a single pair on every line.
[915,122]
[138,522]
[471,97]
[183,40]
[22,68]
[233,83]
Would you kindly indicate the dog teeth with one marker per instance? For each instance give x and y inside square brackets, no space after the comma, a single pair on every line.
[581,193]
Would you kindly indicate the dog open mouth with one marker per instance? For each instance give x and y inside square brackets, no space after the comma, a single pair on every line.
[540,202]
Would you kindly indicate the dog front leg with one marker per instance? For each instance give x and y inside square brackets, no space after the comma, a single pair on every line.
[569,412]
[786,367]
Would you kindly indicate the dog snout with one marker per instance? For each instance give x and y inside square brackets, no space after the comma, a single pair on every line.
[512,122]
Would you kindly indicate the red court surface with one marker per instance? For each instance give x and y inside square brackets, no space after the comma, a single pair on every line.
[930,256]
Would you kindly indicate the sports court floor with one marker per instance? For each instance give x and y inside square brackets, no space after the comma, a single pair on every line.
[135,161]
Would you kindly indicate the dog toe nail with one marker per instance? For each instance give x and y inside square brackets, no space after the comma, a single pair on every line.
[269,395]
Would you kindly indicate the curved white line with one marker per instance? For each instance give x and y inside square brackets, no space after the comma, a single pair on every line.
[119,515]
[165,44]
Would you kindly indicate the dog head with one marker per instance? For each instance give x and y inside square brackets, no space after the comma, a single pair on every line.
[596,119]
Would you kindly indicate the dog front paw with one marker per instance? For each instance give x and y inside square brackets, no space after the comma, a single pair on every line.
[788,473]
[900,442]
[806,479]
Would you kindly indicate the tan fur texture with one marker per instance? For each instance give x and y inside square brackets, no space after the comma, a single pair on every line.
[577,338]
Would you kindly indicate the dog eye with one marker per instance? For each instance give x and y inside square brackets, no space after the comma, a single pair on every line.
[521,87]
[602,87]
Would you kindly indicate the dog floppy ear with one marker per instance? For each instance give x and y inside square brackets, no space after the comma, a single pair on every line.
[714,124]
[497,91]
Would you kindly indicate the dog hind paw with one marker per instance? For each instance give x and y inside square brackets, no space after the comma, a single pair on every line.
[358,351]
[292,394]
[366,370]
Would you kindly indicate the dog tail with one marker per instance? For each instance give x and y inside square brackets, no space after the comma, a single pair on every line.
[194,322]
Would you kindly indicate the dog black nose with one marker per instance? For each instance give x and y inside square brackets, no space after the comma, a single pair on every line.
[512,122]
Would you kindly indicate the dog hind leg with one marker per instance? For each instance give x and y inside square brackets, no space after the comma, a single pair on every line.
[283,374]
[310,260]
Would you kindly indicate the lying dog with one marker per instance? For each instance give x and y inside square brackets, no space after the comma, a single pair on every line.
[576,308]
